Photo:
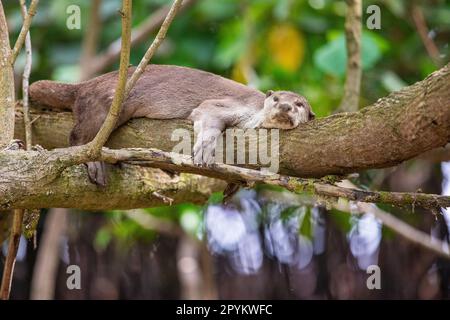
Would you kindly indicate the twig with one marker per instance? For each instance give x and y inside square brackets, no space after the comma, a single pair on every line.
[422,28]
[400,227]
[10,261]
[353,42]
[26,81]
[24,31]
[114,111]
[249,177]
[124,87]
[45,269]
[139,35]
[90,41]
[154,46]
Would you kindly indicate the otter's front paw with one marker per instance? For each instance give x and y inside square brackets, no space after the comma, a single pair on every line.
[204,151]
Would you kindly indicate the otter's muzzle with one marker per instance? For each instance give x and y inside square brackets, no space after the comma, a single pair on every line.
[285,107]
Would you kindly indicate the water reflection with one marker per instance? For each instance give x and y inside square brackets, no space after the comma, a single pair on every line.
[248,229]
[364,240]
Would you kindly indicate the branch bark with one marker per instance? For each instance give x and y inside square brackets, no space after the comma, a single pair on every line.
[350,101]
[24,31]
[120,92]
[26,80]
[399,127]
[91,40]
[6,84]
[43,177]
[10,261]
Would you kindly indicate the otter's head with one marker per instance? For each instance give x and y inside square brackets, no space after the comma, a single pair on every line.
[286,110]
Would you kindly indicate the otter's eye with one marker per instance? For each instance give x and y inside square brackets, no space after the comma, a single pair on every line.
[299,104]
[275,98]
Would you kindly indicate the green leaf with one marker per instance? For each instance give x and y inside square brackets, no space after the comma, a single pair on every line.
[332,57]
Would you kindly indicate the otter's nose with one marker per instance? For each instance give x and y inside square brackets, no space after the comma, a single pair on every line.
[285,107]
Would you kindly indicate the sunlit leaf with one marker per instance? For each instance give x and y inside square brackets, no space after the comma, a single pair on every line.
[286,46]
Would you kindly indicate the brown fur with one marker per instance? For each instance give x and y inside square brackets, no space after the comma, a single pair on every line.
[171,92]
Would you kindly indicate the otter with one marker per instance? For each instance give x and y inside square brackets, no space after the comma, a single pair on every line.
[211,102]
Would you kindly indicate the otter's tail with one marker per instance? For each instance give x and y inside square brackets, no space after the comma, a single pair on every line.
[54,94]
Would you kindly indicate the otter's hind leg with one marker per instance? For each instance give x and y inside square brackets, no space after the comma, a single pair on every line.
[88,122]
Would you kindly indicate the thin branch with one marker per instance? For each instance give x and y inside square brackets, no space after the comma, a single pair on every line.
[422,28]
[26,81]
[91,39]
[353,28]
[114,111]
[7,94]
[400,227]
[139,35]
[13,246]
[248,177]
[123,89]
[45,269]
[24,31]
[154,46]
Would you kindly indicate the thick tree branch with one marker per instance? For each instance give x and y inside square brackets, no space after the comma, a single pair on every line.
[45,183]
[394,129]
[35,173]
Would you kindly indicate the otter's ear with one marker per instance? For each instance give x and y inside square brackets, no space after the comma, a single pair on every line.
[269,93]
[312,115]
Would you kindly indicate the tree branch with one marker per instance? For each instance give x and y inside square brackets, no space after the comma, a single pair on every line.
[353,28]
[24,31]
[173,161]
[400,227]
[13,246]
[422,29]
[154,46]
[26,81]
[90,40]
[108,126]
[399,127]
[139,35]
[35,173]
[7,94]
